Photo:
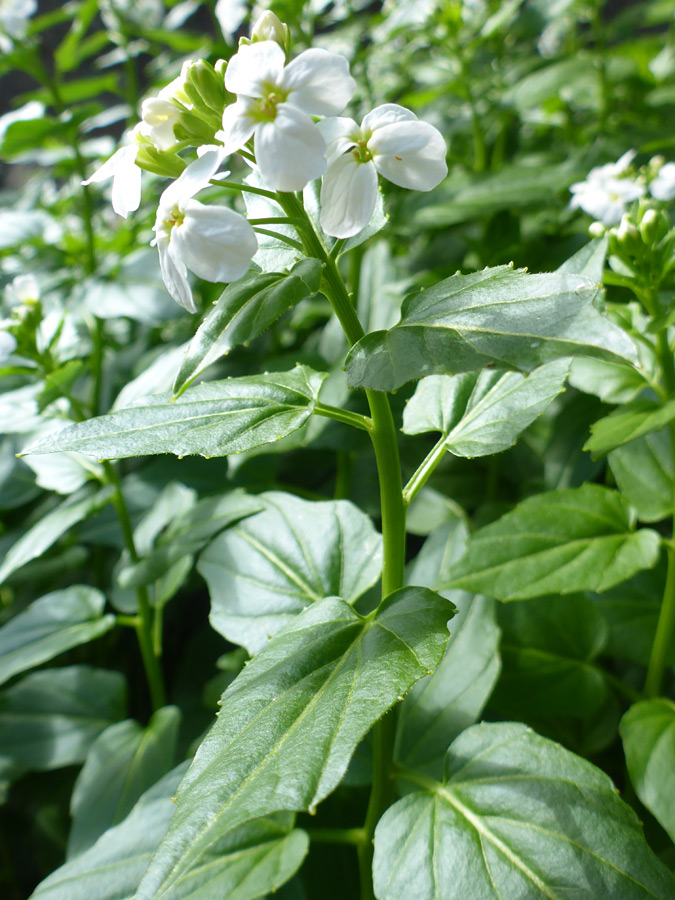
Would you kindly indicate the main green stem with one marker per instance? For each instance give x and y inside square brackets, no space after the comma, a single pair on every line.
[144,624]
[385,445]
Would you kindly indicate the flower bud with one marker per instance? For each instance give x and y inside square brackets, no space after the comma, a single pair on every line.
[270,28]
[210,84]
[596,230]
[626,237]
[148,157]
[654,226]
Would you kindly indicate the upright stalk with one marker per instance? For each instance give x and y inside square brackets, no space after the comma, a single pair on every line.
[393,511]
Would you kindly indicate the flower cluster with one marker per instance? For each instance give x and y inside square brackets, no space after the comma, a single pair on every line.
[608,190]
[273,125]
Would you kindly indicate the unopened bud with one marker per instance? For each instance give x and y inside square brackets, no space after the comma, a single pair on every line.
[654,226]
[270,28]
[210,84]
[596,230]
[168,165]
[627,237]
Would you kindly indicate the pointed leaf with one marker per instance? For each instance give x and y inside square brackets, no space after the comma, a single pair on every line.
[50,626]
[627,423]
[245,309]
[290,722]
[268,568]
[559,542]
[498,317]
[648,734]
[589,261]
[644,473]
[481,414]
[517,817]
[212,419]
[123,762]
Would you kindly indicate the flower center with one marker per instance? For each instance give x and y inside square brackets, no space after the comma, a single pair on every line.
[361,152]
[265,109]
[174,217]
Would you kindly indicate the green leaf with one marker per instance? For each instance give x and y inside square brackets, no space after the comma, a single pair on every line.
[481,414]
[499,317]
[268,568]
[41,536]
[442,705]
[548,649]
[245,309]
[557,542]
[644,473]
[50,718]
[290,722]
[249,863]
[627,423]
[517,817]
[123,762]
[50,626]
[589,261]
[212,419]
[648,734]
[611,382]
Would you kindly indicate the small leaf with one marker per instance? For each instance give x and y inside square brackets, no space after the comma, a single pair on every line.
[481,414]
[644,473]
[498,317]
[648,734]
[212,419]
[611,382]
[123,762]
[50,718]
[313,693]
[267,569]
[252,861]
[557,542]
[517,817]
[50,626]
[245,309]
[627,423]
[41,536]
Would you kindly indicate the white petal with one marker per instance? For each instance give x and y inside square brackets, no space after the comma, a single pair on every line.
[111,166]
[7,344]
[215,242]
[254,66]
[290,150]
[387,114]
[126,189]
[339,133]
[622,164]
[192,179]
[319,82]
[410,154]
[663,186]
[174,275]
[238,126]
[348,196]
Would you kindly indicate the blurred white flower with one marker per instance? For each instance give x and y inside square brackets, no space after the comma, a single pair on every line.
[148,13]
[230,15]
[390,141]
[14,15]
[23,289]
[607,191]
[662,187]
[214,242]
[126,176]
[7,345]
[274,104]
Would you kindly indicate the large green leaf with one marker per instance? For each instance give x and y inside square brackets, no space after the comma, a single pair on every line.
[648,734]
[123,762]
[498,317]
[588,261]
[290,722]
[50,718]
[268,568]
[627,423]
[50,528]
[212,419]
[517,817]
[52,625]
[482,413]
[249,863]
[245,309]
[558,542]
[442,705]
[644,473]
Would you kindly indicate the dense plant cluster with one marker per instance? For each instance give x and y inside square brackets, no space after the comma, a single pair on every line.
[337,450]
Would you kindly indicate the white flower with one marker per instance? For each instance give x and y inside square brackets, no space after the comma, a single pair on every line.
[23,289]
[390,141]
[214,242]
[14,15]
[230,15]
[7,345]
[162,112]
[663,186]
[275,102]
[126,176]
[607,191]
